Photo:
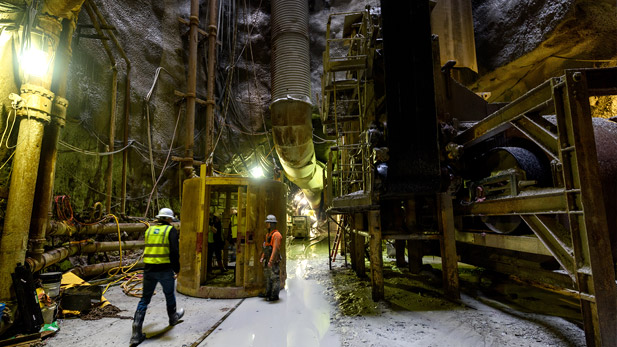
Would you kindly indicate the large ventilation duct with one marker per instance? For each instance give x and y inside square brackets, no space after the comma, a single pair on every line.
[291,104]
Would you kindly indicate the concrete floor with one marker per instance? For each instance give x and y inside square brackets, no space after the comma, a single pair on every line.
[300,318]
[332,308]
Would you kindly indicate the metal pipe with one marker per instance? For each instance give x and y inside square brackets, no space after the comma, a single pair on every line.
[112,136]
[101,268]
[59,228]
[37,100]
[125,154]
[49,151]
[127,99]
[191,90]
[210,102]
[59,254]
[291,106]
[112,116]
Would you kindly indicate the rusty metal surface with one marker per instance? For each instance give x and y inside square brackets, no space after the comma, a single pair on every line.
[584,164]
[538,201]
[56,228]
[499,121]
[21,198]
[590,235]
[527,244]
[447,245]
[57,255]
[605,133]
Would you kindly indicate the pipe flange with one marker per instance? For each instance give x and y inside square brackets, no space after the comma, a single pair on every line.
[37,102]
[58,111]
[35,246]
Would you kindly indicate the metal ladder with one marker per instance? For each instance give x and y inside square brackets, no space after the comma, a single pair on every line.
[344,100]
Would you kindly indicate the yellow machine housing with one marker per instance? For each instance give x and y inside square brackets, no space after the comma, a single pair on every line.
[254,199]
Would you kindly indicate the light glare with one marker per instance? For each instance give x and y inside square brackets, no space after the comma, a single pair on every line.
[257,172]
[34,62]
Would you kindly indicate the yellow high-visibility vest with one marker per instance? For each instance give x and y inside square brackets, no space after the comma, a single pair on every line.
[157,245]
[234,226]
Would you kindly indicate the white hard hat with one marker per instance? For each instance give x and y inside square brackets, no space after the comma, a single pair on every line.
[165,212]
[271,219]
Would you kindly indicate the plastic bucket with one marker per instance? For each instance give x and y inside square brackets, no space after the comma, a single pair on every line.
[51,283]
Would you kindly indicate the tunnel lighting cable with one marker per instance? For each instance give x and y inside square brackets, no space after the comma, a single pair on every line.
[9,159]
[87,152]
[14,111]
[322,140]
[250,44]
[147,102]
[230,78]
[105,194]
[227,91]
[171,146]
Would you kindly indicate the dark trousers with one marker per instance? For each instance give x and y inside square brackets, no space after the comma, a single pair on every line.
[215,249]
[151,278]
[273,280]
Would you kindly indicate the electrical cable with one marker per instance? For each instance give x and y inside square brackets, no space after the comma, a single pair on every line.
[124,270]
[86,152]
[166,160]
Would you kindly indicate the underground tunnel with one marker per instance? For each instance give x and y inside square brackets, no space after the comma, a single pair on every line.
[308,173]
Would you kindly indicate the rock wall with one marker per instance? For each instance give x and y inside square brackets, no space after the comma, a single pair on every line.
[521,44]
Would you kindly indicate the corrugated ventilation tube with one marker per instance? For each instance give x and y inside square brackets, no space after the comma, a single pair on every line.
[291,104]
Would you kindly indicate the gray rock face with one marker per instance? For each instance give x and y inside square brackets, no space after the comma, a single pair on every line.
[507,29]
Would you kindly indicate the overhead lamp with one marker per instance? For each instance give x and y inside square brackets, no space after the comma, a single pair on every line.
[257,172]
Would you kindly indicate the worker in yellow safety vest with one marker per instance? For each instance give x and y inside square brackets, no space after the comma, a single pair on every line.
[233,226]
[162,260]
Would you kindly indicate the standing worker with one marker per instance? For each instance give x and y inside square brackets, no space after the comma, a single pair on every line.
[216,243]
[162,260]
[271,259]
[233,232]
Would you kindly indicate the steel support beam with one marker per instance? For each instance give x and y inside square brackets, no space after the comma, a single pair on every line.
[374,224]
[449,260]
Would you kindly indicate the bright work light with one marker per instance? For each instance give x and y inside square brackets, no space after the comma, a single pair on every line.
[34,62]
[257,172]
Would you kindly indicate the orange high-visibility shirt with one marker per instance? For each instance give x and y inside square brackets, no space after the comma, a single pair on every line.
[275,241]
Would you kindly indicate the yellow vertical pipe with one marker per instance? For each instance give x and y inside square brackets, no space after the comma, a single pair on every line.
[47,168]
[38,99]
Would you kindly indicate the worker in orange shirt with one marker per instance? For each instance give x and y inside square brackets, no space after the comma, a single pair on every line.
[271,259]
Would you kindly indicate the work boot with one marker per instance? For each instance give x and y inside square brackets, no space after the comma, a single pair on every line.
[138,322]
[174,316]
